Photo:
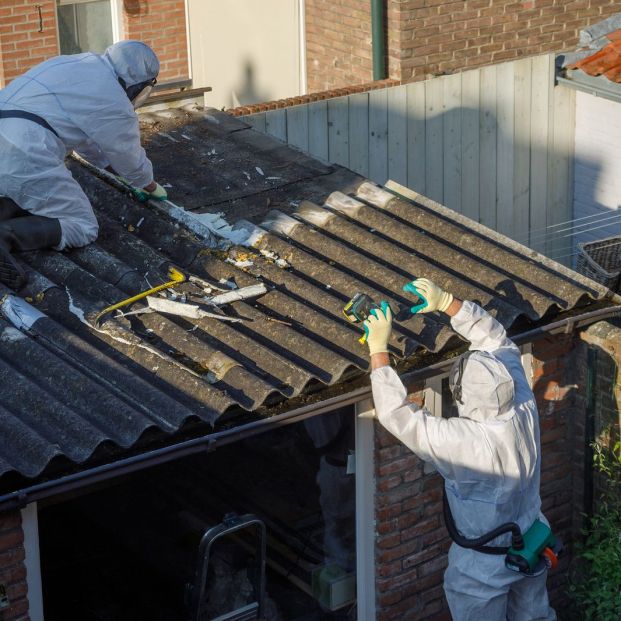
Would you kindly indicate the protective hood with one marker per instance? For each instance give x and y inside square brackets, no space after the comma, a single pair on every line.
[133,61]
[487,389]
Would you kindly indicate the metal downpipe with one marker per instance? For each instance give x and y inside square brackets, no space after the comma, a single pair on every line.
[378,39]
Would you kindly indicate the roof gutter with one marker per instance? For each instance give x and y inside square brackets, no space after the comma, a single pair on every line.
[47,489]
[592,87]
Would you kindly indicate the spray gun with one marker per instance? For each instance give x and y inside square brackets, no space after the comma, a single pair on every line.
[360,306]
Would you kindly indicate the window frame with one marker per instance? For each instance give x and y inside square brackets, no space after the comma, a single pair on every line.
[116,16]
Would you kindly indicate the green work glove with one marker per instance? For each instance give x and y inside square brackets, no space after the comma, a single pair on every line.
[434,298]
[158,194]
[377,328]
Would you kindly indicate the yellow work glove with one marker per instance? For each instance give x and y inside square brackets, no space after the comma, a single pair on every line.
[433,297]
[378,326]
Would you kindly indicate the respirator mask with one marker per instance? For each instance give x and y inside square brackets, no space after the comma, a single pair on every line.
[138,93]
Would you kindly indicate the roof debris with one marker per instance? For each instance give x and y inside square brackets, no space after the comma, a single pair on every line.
[181,309]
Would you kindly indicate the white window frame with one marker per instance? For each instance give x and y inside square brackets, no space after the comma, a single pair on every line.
[365,511]
[32,561]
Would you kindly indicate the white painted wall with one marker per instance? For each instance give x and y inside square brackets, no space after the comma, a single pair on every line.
[597,177]
[247,51]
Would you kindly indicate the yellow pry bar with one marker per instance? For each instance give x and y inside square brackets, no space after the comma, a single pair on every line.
[175,276]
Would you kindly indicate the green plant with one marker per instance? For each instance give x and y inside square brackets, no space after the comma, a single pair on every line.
[595,579]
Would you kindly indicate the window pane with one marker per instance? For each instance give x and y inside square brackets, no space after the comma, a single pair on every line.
[85,27]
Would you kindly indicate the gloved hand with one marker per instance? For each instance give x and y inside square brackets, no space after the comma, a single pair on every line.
[158,193]
[434,298]
[377,327]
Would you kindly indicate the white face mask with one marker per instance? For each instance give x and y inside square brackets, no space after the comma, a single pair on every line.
[142,96]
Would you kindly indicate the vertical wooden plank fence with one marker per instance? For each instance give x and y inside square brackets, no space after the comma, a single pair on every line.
[493,143]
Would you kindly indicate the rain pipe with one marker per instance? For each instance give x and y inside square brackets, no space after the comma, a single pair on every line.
[378,39]
[20,498]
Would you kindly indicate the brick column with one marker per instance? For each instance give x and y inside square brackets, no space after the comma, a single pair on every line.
[411,541]
[26,38]
[12,568]
[559,383]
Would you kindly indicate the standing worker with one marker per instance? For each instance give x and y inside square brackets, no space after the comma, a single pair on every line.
[489,455]
[84,102]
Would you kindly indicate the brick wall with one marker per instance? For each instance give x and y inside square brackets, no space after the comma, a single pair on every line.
[12,568]
[21,44]
[160,23]
[412,541]
[431,37]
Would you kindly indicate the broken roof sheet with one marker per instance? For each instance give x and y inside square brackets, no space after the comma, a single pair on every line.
[73,394]
[597,62]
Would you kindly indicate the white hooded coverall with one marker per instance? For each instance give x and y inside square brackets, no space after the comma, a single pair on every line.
[81,98]
[489,457]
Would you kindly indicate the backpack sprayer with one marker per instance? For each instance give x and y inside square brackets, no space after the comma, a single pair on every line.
[530,553]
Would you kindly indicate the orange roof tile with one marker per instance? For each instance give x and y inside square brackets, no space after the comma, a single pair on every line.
[606,62]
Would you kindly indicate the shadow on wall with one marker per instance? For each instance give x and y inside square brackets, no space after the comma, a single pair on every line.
[247,91]
[494,156]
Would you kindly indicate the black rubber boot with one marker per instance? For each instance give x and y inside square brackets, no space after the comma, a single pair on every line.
[21,234]
[9,209]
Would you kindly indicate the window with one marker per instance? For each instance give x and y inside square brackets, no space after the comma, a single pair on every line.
[85,25]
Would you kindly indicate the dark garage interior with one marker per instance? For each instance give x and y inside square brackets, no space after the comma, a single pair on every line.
[130,549]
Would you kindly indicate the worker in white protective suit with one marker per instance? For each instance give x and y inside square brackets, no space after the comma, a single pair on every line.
[489,455]
[84,102]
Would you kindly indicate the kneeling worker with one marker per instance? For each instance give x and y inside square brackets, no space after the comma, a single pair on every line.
[84,102]
[489,455]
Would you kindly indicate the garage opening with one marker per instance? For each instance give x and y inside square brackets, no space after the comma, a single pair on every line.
[262,528]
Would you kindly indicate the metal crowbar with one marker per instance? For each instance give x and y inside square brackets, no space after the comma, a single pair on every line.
[175,276]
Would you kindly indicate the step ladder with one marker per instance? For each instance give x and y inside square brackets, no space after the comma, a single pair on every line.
[231,523]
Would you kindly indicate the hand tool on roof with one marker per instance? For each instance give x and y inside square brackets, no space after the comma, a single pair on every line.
[360,306]
[176,277]
[358,309]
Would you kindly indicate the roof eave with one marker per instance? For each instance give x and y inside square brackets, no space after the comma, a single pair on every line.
[596,86]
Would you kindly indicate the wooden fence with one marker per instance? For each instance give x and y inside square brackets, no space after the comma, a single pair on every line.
[495,143]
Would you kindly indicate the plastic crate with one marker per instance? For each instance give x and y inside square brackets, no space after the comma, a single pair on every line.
[600,261]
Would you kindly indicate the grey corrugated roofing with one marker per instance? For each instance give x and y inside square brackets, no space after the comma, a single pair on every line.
[72,395]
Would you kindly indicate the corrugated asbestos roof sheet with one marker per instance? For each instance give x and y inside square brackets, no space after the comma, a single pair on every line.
[72,395]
